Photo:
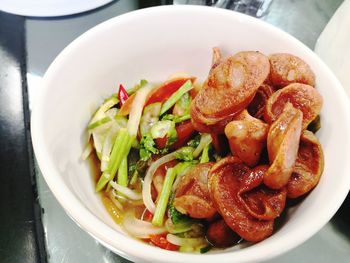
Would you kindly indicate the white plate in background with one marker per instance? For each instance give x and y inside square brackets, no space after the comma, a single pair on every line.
[333,45]
[48,8]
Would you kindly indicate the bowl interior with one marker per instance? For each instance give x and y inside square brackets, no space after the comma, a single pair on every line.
[152,44]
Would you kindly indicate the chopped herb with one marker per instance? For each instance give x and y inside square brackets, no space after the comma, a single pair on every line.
[147,147]
[185,153]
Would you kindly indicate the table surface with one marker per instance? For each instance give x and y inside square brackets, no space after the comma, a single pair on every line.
[45,38]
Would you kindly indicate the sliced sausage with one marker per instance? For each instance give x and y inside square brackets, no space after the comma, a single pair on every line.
[303,97]
[220,235]
[308,166]
[261,202]
[229,88]
[287,69]
[192,195]
[257,107]
[247,137]
[226,178]
[282,146]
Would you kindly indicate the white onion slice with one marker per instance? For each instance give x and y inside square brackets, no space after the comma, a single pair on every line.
[139,228]
[204,141]
[146,187]
[87,151]
[187,242]
[178,178]
[107,145]
[128,193]
[137,108]
[114,200]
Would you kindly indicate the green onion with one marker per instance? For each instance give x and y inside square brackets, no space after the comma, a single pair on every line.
[205,154]
[176,96]
[120,150]
[164,197]
[161,128]
[107,104]
[99,122]
[142,83]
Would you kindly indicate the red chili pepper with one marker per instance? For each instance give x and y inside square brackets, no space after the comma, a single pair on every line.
[122,95]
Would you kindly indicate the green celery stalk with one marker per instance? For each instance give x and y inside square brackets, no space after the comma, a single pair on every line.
[120,150]
[164,197]
[176,96]
[205,154]
[123,172]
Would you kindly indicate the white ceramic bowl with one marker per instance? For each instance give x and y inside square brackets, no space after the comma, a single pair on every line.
[154,43]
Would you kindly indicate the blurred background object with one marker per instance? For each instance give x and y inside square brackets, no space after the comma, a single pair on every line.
[45,8]
[257,8]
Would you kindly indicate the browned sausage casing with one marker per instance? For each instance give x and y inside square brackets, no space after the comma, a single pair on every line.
[303,97]
[257,107]
[282,146]
[227,177]
[192,195]
[287,69]
[220,235]
[261,202]
[229,88]
[308,166]
[247,137]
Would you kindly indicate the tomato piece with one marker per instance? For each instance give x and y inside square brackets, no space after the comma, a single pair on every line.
[147,216]
[162,242]
[184,132]
[166,90]
[126,107]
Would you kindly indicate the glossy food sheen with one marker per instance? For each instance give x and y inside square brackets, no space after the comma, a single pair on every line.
[282,145]
[303,97]
[226,179]
[229,88]
[247,137]
[192,195]
[287,69]
[308,166]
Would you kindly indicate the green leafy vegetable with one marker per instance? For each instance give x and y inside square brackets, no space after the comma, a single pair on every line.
[205,154]
[195,141]
[177,217]
[147,147]
[176,96]
[185,153]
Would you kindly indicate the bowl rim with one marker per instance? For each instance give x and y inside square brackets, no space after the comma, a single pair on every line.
[134,249]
